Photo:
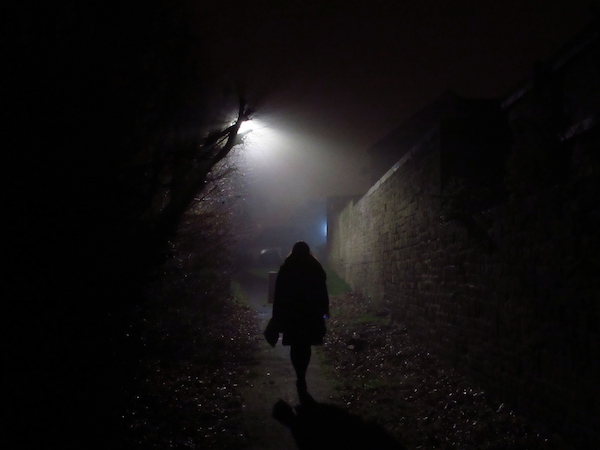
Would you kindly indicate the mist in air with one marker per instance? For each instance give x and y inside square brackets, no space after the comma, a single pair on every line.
[286,176]
[331,81]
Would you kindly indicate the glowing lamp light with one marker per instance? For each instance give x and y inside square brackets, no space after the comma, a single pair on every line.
[260,141]
[246,127]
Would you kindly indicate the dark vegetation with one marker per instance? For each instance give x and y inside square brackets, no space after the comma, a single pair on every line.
[385,376]
[198,335]
[113,122]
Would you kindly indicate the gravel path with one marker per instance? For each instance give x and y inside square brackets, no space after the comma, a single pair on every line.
[272,379]
[274,419]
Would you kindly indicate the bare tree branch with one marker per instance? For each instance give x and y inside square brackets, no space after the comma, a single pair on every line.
[186,185]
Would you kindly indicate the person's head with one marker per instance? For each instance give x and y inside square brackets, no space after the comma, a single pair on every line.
[301,248]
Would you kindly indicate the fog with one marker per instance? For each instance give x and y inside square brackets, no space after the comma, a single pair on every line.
[285,177]
[331,79]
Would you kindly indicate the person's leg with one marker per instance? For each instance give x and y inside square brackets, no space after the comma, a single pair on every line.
[300,356]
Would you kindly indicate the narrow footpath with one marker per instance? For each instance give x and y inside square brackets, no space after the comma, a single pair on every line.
[274,419]
[272,379]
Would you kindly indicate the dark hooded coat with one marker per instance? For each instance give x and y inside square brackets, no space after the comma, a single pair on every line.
[301,300]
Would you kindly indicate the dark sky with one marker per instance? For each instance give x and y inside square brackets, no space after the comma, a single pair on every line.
[335,76]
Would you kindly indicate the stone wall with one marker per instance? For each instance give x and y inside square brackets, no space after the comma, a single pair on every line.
[510,294]
[514,300]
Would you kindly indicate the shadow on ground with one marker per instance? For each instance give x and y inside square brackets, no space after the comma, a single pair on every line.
[317,426]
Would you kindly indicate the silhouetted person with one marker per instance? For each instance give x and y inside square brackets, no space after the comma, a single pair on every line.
[300,306]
